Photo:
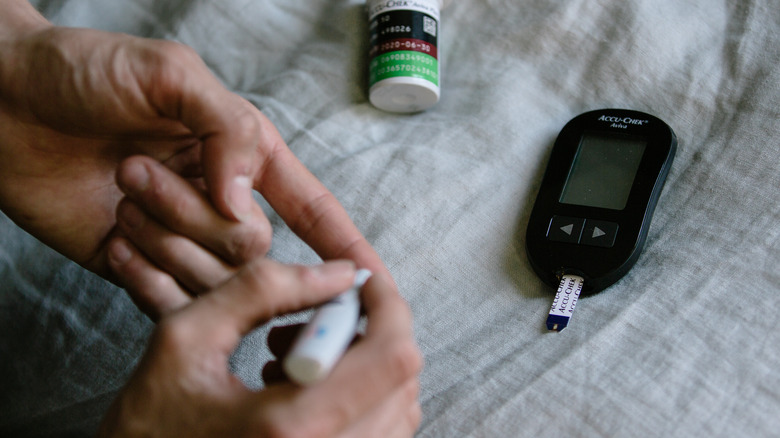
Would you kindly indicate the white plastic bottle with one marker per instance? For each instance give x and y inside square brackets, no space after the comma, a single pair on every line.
[404,68]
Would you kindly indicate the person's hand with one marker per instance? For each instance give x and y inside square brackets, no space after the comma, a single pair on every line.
[372,391]
[182,386]
[182,237]
[75,102]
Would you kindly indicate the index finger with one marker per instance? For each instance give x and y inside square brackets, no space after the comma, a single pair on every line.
[312,212]
[261,290]
[242,149]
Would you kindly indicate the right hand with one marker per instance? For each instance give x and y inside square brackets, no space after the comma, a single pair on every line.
[372,391]
[182,386]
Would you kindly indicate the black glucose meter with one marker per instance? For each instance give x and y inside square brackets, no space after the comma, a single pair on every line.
[592,214]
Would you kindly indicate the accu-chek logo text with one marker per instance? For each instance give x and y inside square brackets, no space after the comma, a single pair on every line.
[625,120]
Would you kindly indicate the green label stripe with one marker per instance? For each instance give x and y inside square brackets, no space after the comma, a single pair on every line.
[404,63]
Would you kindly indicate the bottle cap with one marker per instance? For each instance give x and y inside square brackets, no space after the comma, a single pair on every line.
[404,94]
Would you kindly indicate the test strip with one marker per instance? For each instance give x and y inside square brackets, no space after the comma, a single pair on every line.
[569,290]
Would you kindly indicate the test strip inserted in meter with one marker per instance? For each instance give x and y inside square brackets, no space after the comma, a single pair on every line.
[593,210]
[565,299]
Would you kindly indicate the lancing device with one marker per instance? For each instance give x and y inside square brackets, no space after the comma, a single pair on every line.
[326,337]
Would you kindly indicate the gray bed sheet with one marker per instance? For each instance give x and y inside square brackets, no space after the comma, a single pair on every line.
[687,344]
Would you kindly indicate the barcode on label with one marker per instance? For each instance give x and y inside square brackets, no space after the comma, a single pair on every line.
[429,26]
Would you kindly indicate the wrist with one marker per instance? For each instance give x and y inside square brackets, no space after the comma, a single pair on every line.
[18,21]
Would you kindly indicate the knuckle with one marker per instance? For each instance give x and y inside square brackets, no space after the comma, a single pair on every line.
[263,275]
[144,291]
[251,240]
[158,282]
[164,194]
[168,65]
[180,208]
[313,213]
[175,53]
[159,187]
[305,275]
[253,273]
[172,334]
[404,358]
[245,124]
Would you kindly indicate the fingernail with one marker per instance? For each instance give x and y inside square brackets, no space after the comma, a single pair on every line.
[131,215]
[239,199]
[119,252]
[135,177]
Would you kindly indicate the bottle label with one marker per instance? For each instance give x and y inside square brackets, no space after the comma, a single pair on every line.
[403,41]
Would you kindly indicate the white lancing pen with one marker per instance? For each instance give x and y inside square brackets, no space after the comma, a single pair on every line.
[326,337]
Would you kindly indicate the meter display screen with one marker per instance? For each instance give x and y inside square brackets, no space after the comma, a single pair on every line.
[603,171]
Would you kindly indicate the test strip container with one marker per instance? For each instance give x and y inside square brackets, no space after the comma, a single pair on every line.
[404,68]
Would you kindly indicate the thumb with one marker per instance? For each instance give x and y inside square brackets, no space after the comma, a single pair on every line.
[262,290]
[232,132]
[233,154]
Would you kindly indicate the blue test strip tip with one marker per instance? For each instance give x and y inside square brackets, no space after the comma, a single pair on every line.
[557,323]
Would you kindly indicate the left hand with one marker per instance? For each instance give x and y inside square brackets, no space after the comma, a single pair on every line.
[178,234]
[75,102]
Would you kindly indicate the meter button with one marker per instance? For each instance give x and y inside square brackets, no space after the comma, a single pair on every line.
[599,233]
[565,229]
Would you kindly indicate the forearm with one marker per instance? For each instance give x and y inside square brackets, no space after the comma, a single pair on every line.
[18,17]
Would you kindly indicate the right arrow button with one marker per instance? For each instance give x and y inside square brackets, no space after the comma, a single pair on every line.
[599,233]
